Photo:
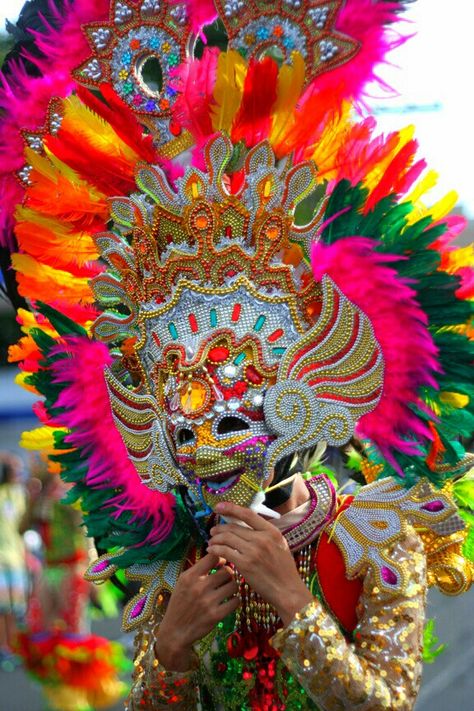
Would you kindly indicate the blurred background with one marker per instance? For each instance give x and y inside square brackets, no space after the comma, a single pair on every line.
[430,80]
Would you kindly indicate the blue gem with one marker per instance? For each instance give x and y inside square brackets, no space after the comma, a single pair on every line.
[154,43]
[173,331]
[150,105]
[289,42]
[262,33]
[126,58]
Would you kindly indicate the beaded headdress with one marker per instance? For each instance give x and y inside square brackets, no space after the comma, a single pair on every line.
[219,254]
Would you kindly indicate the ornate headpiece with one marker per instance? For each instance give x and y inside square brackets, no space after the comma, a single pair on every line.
[222,261]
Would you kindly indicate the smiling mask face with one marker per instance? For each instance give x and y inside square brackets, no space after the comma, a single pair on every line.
[224,457]
[216,423]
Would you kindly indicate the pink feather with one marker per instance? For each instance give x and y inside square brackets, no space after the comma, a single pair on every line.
[400,326]
[365,21]
[88,415]
[24,99]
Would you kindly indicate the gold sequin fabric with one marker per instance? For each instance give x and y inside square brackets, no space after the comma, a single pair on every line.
[155,688]
[381,669]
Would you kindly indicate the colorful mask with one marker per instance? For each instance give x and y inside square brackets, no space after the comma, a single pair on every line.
[226,322]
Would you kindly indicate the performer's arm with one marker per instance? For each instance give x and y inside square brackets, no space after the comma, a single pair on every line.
[154,687]
[381,669]
[165,662]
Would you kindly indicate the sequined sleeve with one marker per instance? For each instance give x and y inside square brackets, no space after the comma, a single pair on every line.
[381,669]
[153,687]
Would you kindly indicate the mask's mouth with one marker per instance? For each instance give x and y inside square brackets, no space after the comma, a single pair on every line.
[221,483]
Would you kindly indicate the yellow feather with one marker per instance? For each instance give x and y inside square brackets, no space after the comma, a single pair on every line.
[40,438]
[326,149]
[444,206]
[41,281]
[228,89]
[457,400]
[79,120]
[28,321]
[459,258]
[289,87]
[424,185]
[20,380]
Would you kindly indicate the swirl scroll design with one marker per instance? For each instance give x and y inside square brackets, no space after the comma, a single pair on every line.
[293,413]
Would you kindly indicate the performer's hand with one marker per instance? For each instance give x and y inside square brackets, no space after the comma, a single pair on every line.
[262,556]
[199,601]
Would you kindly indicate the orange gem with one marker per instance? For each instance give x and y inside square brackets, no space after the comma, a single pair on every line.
[135,44]
[278,31]
[201,222]
[164,104]
[273,232]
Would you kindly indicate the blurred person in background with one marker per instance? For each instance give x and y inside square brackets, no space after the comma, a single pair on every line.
[13,576]
[77,670]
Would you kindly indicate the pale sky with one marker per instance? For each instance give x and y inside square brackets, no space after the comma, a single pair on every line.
[434,68]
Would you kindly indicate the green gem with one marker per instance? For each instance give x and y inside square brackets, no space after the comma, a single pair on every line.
[127,87]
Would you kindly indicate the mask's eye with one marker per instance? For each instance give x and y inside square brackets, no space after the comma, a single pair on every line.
[230,424]
[184,436]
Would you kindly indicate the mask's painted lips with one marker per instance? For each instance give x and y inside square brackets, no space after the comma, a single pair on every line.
[222,483]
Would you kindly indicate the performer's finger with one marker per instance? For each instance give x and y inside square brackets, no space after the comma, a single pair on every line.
[255,521]
[230,539]
[231,555]
[247,534]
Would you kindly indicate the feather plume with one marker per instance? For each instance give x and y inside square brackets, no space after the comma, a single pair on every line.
[253,120]
[399,323]
[87,414]
[53,241]
[121,119]
[79,203]
[228,89]
[195,81]
[289,87]
[24,98]
[367,22]
[39,281]
[41,438]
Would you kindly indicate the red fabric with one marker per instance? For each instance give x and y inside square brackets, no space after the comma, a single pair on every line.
[340,594]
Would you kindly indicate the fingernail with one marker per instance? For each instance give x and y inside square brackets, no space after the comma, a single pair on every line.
[220,507]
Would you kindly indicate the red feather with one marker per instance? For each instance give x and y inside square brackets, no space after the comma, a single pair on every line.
[122,119]
[253,121]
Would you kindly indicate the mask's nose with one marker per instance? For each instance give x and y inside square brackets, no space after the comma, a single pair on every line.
[206,456]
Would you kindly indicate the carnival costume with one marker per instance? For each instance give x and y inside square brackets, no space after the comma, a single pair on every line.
[226,267]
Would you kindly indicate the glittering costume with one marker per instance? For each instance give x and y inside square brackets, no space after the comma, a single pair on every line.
[226,268]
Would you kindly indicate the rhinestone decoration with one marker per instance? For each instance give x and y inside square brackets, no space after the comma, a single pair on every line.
[283,27]
[123,47]
[377,518]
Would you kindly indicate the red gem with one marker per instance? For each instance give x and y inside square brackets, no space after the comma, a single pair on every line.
[253,376]
[228,231]
[193,323]
[275,335]
[247,675]
[218,354]
[175,128]
[236,312]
